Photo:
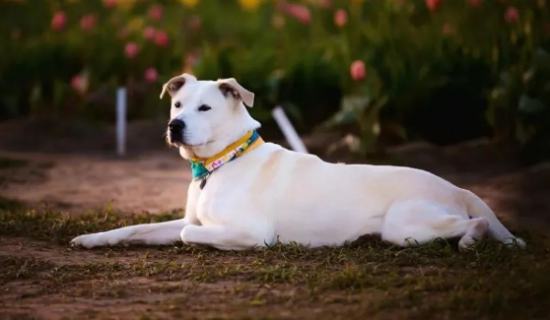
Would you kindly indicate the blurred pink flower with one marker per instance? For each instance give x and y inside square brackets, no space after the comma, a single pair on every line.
[59,20]
[151,75]
[195,23]
[87,22]
[161,38]
[340,18]
[301,13]
[131,50]
[191,59]
[155,12]
[77,83]
[297,11]
[474,3]
[357,70]
[433,4]
[109,3]
[511,15]
[149,33]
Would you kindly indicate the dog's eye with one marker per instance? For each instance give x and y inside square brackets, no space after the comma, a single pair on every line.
[204,108]
[177,105]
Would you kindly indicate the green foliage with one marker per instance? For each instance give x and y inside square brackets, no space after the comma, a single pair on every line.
[435,68]
[520,104]
[431,70]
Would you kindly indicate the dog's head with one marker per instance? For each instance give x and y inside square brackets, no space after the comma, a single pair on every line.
[207,116]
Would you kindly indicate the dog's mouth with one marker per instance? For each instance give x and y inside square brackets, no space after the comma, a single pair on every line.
[186,145]
[179,143]
[174,139]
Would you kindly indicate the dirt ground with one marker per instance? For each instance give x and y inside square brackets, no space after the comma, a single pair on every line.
[77,173]
[156,182]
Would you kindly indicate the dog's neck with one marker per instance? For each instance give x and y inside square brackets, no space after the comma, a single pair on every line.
[233,144]
[202,168]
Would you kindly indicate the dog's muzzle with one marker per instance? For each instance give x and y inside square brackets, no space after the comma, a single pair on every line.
[176,128]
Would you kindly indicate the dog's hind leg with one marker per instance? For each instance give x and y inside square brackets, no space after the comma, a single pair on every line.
[163,233]
[477,229]
[417,222]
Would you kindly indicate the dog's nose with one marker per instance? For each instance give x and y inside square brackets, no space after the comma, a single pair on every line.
[176,125]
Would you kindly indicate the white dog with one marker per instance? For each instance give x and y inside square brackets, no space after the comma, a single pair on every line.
[248,193]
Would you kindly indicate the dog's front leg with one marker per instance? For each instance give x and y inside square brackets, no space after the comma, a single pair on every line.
[221,237]
[163,233]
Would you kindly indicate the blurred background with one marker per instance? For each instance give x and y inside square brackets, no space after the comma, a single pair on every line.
[454,86]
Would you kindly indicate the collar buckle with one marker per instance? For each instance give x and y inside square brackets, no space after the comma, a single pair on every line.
[203,182]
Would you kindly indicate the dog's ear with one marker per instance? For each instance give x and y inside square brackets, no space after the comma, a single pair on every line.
[232,87]
[174,85]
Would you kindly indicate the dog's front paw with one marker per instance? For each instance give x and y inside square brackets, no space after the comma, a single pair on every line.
[87,241]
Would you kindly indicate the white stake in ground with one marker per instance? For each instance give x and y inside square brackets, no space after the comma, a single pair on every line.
[121,121]
[288,130]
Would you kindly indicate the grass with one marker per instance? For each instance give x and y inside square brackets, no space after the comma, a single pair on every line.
[9,207]
[59,227]
[367,277]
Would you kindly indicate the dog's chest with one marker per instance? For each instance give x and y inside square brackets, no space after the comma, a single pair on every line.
[228,194]
[215,203]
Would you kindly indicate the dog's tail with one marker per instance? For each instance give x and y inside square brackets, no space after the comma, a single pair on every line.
[479,209]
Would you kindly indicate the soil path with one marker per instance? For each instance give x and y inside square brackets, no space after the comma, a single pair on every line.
[154,182]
